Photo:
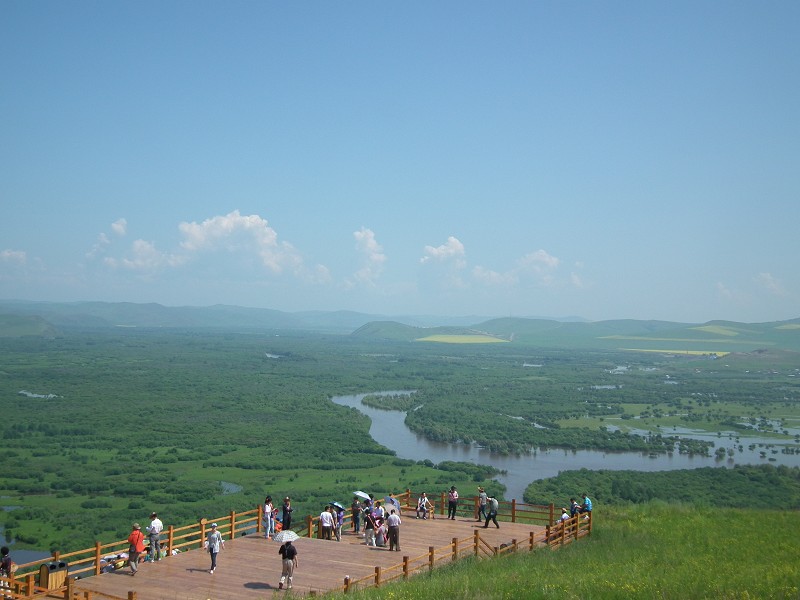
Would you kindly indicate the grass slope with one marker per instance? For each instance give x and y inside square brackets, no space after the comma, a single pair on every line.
[655,550]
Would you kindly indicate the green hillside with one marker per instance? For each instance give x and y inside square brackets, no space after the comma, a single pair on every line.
[653,550]
[26,325]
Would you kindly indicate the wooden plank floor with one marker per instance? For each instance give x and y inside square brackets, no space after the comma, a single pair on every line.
[249,567]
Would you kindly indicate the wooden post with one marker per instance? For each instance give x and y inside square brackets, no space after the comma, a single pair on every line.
[346,583]
[476,507]
[455,549]
[233,524]
[442,504]
[68,589]
[514,544]
[202,525]
[406,570]
[513,510]
[30,583]
[131,595]
[377,576]
[476,540]
[97,550]
[552,518]
[547,535]
[310,525]
[431,557]
[530,540]
[170,539]
[259,518]
[590,522]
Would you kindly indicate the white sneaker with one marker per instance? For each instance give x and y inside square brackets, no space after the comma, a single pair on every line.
[211,571]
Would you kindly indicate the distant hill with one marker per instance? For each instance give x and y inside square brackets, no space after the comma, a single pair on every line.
[52,318]
[26,325]
[714,337]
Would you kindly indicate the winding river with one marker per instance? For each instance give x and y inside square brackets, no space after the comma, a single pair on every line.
[388,428]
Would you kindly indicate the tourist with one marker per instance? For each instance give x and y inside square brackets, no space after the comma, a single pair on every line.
[154,532]
[492,504]
[215,544]
[482,496]
[269,517]
[326,523]
[423,506]
[369,528]
[6,568]
[393,522]
[287,514]
[355,513]
[452,502]
[574,507]
[379,512]
[289,563]
[136,541]
[586,507]
[339,518]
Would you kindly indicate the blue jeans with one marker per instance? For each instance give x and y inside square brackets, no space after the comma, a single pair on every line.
[155,547]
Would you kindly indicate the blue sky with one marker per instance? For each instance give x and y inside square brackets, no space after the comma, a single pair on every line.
[601,159]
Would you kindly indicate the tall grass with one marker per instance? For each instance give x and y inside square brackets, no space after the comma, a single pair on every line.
[655,550]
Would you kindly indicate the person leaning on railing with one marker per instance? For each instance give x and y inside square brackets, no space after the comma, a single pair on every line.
[423,506]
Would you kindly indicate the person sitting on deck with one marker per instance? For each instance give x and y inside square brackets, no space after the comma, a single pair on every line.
[423,506]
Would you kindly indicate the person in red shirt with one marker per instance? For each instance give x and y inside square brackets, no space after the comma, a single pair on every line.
[136,540]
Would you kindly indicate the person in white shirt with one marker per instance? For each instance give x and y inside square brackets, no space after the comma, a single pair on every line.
[326,523]
[154,532]
[393,522]
[423,506]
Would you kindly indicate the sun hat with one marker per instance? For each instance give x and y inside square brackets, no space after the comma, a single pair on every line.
[213,524]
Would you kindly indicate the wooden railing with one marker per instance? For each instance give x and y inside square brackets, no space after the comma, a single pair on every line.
[513,511]
[26,582]
[551,537]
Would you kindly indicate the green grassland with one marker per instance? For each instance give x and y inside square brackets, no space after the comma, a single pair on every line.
[101,426]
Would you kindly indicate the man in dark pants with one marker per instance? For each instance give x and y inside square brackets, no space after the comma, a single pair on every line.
[491,502]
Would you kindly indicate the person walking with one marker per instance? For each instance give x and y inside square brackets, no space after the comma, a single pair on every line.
[393,522]
[452,502]
[482,497]
[493,505]
[289,563]
[154,533]
[215,543]
[286,519]
[136,541]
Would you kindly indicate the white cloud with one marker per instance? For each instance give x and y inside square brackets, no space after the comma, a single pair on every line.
[373,256]
[18,257]
[538,262]
[770,283]
[120,226]
[234,233]
[451,250]
[489,277]
[723,290]
[145,257]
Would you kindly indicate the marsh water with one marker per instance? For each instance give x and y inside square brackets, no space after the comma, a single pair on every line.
[388,428]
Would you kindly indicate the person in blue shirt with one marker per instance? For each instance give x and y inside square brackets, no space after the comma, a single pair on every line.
[587,504]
